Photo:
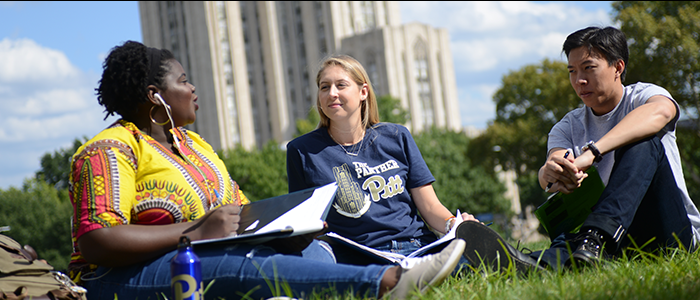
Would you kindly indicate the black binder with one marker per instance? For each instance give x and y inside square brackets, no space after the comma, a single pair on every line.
[296,213]
[566,212]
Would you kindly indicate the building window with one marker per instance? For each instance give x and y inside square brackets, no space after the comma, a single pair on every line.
[320,29]
[373,73]
[368,14]
[422,80]
[230,96]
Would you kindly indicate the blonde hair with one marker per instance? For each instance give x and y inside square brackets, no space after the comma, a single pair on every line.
[368,109]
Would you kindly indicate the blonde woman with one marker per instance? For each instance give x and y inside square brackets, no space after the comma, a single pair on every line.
[384,183]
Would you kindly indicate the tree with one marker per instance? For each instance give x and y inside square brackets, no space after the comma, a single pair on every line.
[39,216]
[309,124]
[458,183]
[664,46]
[530,102]
[260,173]
[664,43]
[390,110]
[56,167]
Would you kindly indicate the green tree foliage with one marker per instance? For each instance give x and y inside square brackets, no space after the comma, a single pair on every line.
[458,183]
[390,110]
[530,102]
[260,173]
[309,124]
[39,216]
[688,145]
[55,167]
[664,43]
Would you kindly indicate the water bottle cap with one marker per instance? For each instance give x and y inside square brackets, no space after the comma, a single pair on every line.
[184,242]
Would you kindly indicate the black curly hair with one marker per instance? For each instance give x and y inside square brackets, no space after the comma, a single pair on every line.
[125,78]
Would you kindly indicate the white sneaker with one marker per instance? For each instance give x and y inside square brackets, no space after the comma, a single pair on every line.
[428,271]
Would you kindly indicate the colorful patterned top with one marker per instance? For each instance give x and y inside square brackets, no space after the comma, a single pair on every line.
[123,176]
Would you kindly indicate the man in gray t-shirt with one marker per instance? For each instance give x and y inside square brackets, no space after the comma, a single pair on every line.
[628,133]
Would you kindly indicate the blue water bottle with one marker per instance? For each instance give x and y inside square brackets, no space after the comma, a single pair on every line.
[186,273]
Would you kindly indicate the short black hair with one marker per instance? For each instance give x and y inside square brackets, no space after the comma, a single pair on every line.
[125,77]
[609,41]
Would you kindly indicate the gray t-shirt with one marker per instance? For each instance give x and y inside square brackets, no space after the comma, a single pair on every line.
[580,125]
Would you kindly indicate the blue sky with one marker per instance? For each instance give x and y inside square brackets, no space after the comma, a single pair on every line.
[51,55]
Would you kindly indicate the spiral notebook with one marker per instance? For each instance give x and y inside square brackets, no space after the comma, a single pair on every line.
[292,214]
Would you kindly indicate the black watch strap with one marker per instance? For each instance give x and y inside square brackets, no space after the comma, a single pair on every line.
[591,146]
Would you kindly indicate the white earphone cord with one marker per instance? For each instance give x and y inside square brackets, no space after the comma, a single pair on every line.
[177,145]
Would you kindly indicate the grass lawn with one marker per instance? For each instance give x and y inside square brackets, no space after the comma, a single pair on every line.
[640,275]
[675,275]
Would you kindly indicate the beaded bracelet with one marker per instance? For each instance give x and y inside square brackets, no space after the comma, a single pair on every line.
[448,222]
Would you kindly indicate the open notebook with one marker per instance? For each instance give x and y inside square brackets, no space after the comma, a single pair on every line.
[296,213]
[368,255]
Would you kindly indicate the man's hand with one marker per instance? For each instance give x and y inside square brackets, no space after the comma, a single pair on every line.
[564,174]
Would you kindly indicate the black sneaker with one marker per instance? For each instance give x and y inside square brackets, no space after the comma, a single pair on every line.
[589,248]
[485,246]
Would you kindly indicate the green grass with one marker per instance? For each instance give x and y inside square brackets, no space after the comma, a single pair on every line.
[639,275]
[673,276]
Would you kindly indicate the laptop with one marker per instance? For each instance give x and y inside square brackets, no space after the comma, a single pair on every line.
[292,214]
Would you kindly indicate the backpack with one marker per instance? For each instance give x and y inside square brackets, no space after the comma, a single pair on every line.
[23,276]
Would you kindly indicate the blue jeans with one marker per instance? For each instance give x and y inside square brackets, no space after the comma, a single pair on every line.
[238,269]
[319,250]
[641,201]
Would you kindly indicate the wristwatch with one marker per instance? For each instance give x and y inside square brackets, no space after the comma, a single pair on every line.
[591,146]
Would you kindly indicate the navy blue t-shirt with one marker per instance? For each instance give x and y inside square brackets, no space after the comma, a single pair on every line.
[373,205]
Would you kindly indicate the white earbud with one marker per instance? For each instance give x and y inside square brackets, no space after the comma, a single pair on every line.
[159,98]
[167,110]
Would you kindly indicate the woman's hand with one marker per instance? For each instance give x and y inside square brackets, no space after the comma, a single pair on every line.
[217,223]
[127,244]
[469,217]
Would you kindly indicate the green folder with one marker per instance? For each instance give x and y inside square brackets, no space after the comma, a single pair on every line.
[566,212]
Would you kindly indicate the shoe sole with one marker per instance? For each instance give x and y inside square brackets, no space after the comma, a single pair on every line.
[485,246]
[582,260]
[449,266]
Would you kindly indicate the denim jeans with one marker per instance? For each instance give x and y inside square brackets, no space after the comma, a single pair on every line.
[640,202]
[319,250]
[238,269]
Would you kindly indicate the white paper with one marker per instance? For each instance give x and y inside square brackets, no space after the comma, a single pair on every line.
[447,237]
[299,217]
[398,258]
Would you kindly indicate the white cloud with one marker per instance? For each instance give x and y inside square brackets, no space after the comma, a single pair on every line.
[47,102]
[23,60]
[52,101]
[491,38]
